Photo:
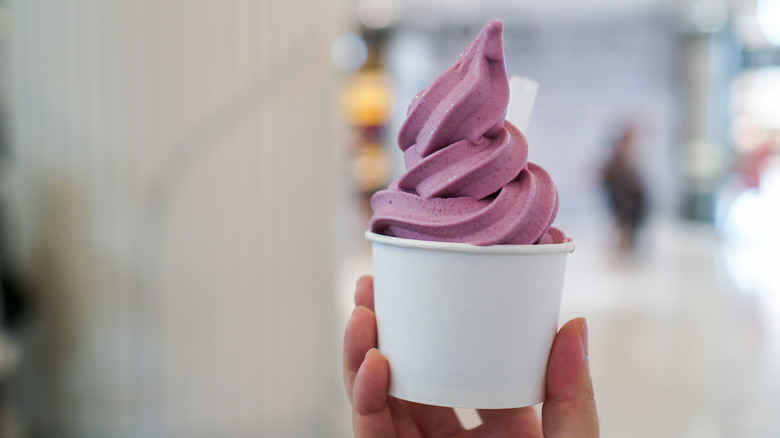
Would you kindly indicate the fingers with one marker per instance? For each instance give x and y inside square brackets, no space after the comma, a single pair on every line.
[434,421]
[569,409]
[360,333]
[359,337]
[371,417]
[519,423]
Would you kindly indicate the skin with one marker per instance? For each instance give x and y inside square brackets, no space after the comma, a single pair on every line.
[569,409]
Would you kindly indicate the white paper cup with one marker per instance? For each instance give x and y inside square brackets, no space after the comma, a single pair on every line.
[467,326]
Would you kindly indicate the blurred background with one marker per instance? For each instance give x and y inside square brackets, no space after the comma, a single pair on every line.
[184,187]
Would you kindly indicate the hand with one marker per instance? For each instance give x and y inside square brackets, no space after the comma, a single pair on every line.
[569,409]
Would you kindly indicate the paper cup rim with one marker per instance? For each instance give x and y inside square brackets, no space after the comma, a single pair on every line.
[469,248]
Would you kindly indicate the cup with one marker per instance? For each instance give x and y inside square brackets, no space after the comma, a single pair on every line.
[467,326]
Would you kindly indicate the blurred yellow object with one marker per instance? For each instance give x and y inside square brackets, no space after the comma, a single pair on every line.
[367,99]
[371,167]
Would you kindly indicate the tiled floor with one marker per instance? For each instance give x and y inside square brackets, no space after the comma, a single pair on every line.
[676,348]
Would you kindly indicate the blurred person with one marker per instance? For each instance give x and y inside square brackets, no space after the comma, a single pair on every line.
[13,294]
[753,164]
[624,189]
[757,153]
[569,409]
[13,306]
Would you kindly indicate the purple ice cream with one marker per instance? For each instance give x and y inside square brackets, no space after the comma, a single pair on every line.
[467,176]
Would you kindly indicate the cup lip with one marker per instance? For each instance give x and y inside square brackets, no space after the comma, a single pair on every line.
[469,248]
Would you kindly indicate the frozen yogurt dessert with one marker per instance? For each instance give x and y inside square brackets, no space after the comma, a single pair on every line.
[467,176]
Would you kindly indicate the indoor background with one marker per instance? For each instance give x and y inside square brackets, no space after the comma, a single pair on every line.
[184,189]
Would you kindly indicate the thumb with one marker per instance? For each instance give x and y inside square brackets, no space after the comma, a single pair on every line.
[371,416]
[570,409]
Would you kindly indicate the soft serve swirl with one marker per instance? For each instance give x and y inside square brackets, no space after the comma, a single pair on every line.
[467,176]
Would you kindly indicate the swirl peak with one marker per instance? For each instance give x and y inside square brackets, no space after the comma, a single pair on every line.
[467,102]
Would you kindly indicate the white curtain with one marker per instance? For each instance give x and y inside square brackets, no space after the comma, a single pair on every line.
[170,173]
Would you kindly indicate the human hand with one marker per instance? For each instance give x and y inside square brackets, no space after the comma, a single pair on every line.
[569,409]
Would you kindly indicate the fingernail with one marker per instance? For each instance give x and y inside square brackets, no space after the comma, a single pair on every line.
[584,336]
[373,350]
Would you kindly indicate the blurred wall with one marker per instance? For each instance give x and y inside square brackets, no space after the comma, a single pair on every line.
[171,169]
